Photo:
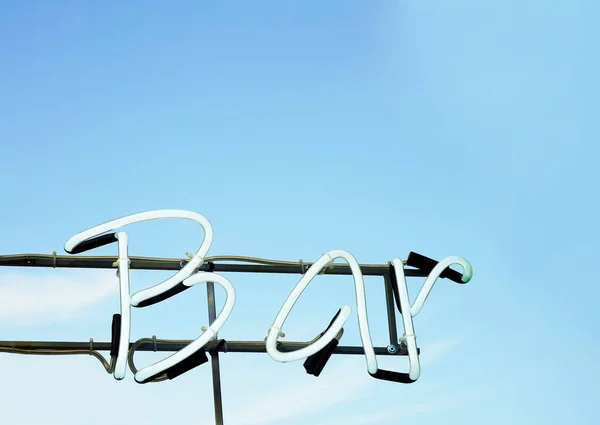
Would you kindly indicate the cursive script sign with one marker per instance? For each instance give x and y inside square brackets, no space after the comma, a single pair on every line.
[317,352]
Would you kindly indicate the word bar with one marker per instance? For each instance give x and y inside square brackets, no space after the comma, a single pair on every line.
[199,268]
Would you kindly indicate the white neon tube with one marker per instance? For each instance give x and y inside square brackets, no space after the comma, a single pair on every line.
[410,339]
[196,261]
[435,274]
[204,338]
[408,311]
[330,334]
[123,268]
[120,369]
[123,273]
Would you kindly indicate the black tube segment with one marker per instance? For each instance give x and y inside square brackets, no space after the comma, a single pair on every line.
[314,364]
[180,287]
[115,335]
[427,264]
[195,360]
[394,284]
[94,242]
[388,375]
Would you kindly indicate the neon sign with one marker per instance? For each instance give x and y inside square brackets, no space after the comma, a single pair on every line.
[315,354]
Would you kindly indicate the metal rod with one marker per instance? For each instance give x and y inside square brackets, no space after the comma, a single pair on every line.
[391,312]
[230,347]
[214,357]
[149,263]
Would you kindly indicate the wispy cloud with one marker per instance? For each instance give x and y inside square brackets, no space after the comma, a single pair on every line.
[343,383]
[405,410]
[28,298]
[432,352]
[369,418]
[340,385]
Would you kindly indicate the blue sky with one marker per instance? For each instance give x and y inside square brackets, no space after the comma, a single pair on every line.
[447,128]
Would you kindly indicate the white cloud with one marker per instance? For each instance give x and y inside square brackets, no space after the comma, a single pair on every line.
[70,390]
[75,389]
[432,352]
[345,386]
[341,384]
[344,382]
[405,410]
[374,417]
[27,298]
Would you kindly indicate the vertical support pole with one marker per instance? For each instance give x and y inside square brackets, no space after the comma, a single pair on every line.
[214,357]
[391,314]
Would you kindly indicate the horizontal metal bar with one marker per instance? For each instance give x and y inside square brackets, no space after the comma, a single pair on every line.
[229,347]
[149,263]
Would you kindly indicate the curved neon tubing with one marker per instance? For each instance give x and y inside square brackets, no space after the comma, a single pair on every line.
[410,338]
[120,369]
[123,273]
[435,274]
[330,334]
[205,337]
[195,262]
[123,269]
